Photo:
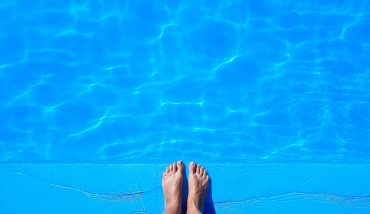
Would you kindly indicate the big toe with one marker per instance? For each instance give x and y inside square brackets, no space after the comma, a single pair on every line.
[192,167]
[180,167]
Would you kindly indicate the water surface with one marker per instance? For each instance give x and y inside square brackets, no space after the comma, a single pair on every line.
[276,81]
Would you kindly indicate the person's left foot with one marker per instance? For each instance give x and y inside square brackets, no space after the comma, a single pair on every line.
[172,186]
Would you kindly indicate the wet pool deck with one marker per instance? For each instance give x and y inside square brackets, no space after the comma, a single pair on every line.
[136,188]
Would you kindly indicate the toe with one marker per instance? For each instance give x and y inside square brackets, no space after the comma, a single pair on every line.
[198,168]
[180,166]
[164,174]
[192,167]
[174,167]
[167,170]
[201,170]
[205,174]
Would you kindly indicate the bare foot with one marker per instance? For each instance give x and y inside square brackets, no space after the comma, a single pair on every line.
[198,188]
[172,187]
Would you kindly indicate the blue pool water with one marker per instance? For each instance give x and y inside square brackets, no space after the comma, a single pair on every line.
[276,81]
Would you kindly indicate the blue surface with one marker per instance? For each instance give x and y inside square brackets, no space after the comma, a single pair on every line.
[235,188]
[217,80]
[246,88]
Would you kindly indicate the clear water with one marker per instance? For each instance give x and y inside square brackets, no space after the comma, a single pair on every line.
[279,81]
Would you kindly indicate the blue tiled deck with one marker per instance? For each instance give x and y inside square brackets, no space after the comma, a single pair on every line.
[136,188]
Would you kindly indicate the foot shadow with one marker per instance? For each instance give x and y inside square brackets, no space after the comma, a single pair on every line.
[209,207]
[185,192]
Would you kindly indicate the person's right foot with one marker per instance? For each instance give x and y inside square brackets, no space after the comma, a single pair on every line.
[198,188]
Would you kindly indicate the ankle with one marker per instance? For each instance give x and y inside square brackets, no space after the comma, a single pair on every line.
[172,209]
[193,210]
[193,206]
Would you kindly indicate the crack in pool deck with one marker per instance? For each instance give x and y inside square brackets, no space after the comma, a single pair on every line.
[106,196]
[359,201]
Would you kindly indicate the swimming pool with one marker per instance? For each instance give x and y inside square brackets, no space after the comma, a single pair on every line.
[214,79]
[157,81]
